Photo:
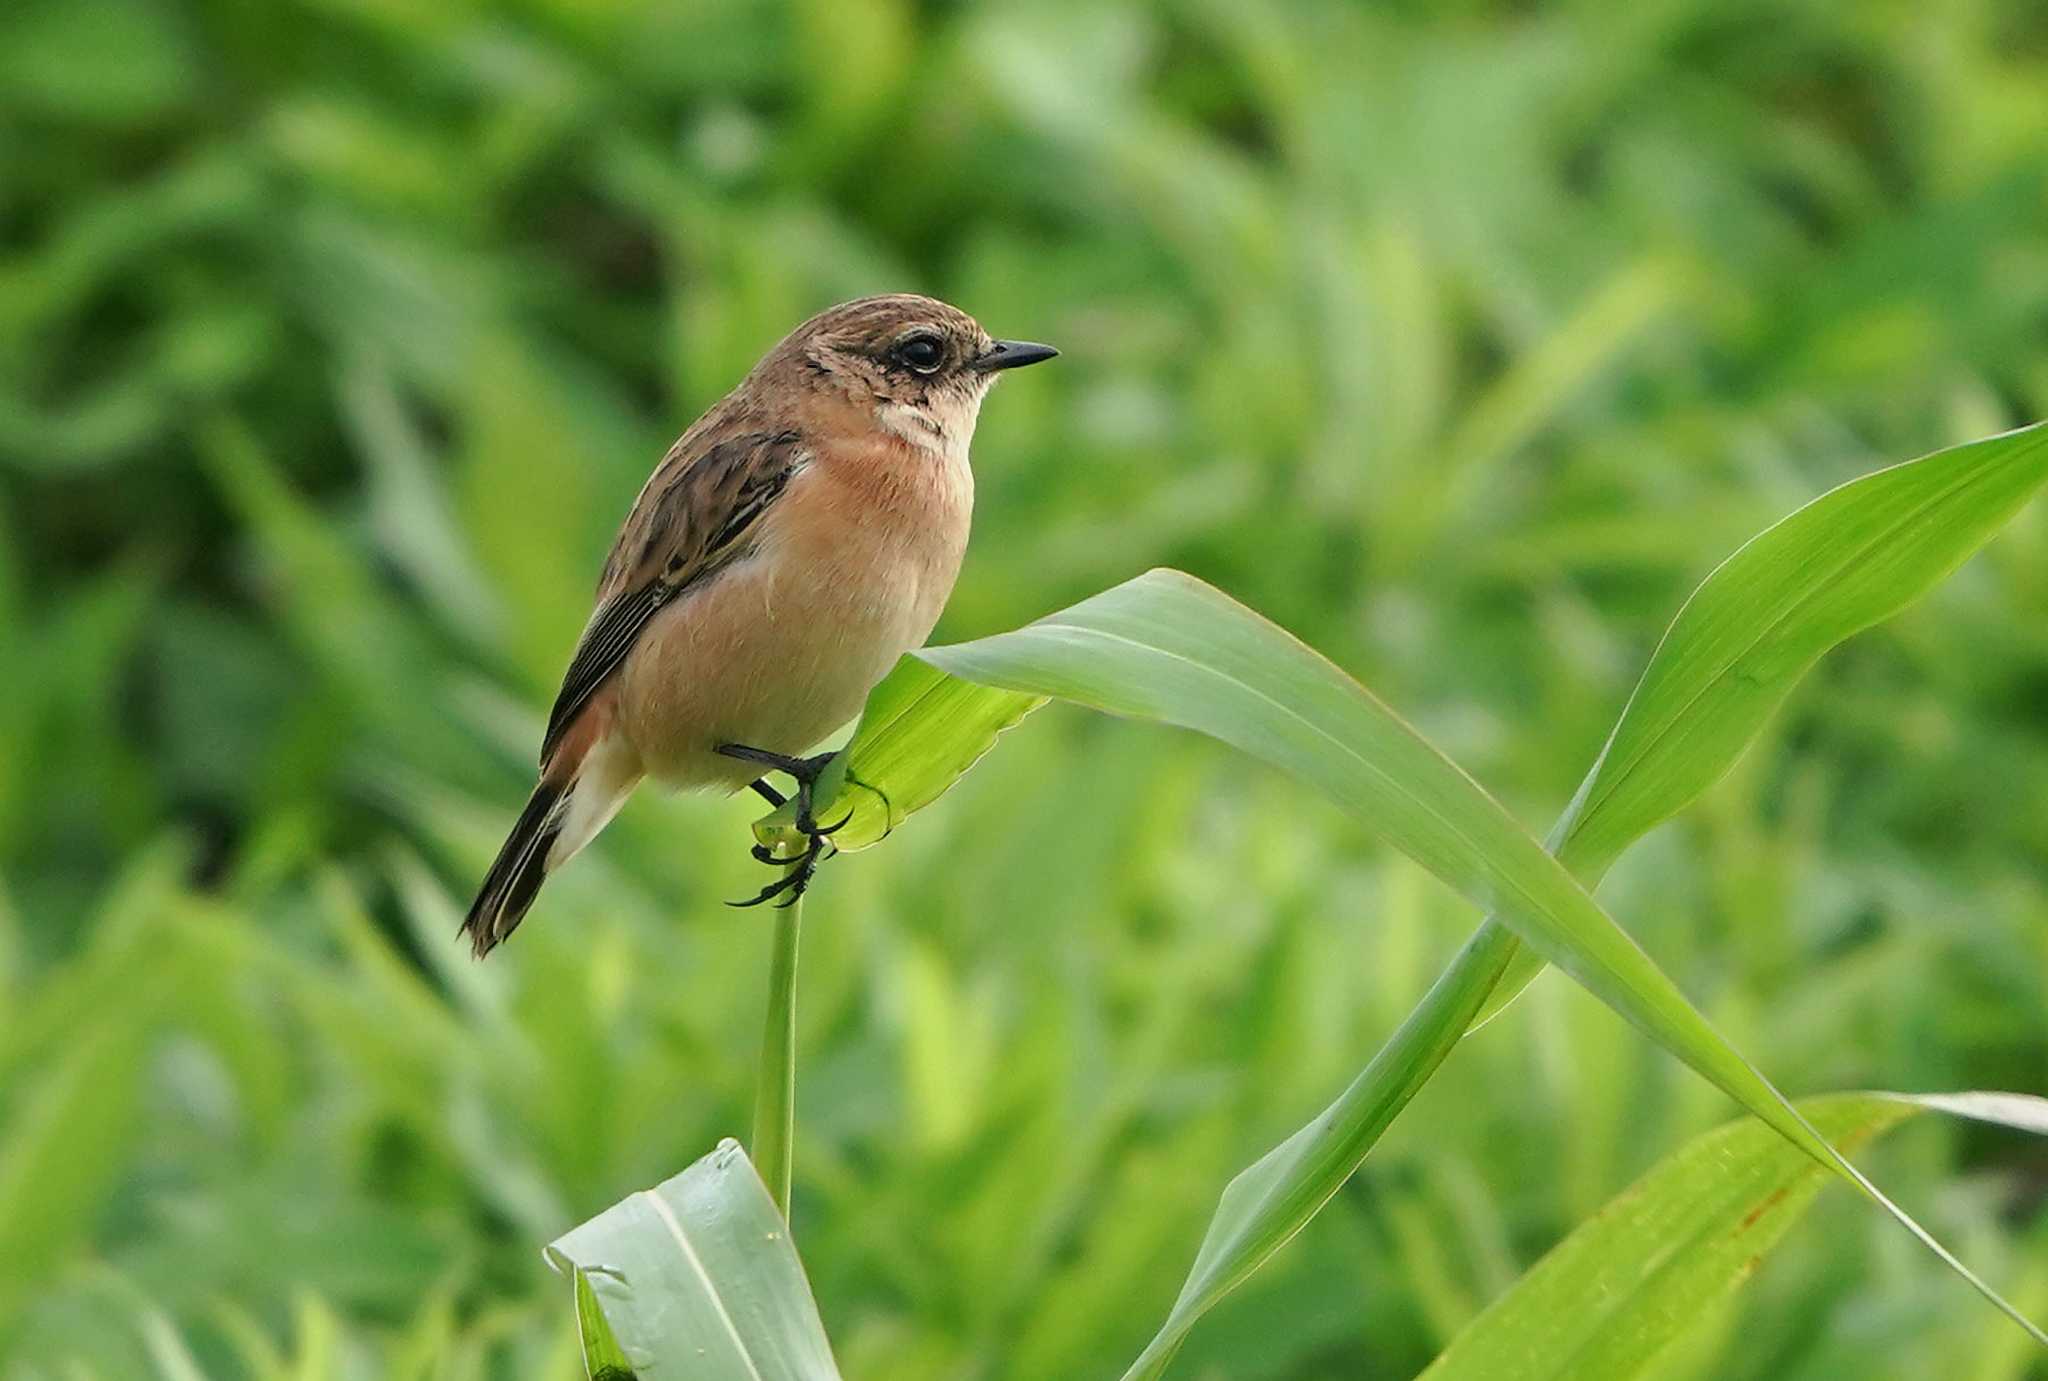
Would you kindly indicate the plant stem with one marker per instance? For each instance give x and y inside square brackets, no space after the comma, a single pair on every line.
[775,1097]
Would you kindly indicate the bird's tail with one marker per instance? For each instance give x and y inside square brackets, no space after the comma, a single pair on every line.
[577,796]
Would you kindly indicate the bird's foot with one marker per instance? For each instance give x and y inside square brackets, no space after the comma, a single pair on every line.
[803,866]
[794,883]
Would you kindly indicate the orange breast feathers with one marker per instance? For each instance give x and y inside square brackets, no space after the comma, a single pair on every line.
[849,571]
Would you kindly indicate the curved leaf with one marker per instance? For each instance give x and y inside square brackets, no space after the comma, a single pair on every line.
[1168,647]
[1849,558]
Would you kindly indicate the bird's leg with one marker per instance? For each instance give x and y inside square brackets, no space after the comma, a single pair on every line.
[803,866]
[804,770]
[776,801]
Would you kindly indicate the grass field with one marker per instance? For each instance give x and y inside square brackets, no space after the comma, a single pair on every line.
[336,336]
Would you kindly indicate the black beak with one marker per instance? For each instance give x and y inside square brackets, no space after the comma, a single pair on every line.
[1013,354]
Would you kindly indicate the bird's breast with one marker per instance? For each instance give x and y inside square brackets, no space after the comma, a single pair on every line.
[851,568]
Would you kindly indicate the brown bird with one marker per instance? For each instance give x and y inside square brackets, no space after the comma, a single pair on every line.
[801,536]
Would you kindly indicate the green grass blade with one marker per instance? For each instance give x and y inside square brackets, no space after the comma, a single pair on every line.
[920,732]
[698,1277]
[603,1358]
[1851,558]
[1168,647]
[1632,1279]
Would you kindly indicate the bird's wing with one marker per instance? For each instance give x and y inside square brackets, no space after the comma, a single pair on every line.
[698,513]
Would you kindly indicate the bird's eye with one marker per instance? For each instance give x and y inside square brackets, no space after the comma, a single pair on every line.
[922,353]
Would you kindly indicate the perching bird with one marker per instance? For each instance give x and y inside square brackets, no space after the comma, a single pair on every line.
[800,537]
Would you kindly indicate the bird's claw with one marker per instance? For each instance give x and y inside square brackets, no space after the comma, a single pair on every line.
[817,838]
[796,881]
[788,883]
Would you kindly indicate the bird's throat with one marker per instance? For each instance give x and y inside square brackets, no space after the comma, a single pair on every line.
[942,425]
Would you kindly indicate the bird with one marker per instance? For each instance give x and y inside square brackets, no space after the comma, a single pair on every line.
[801,536]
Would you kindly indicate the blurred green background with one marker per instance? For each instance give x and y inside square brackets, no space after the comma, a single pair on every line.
[336,336]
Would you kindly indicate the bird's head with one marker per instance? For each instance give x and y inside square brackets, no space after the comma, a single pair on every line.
[921,366]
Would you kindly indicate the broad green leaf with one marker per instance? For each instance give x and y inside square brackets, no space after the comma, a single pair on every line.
[1751,629]
[919,734]
[1632,1279]
[697,1277]
[1168,647]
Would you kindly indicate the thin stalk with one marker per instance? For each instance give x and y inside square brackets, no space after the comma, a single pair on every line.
[1363,1111]
[775,1098]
